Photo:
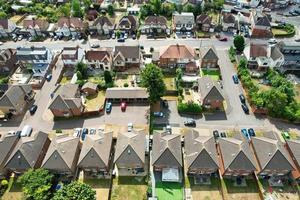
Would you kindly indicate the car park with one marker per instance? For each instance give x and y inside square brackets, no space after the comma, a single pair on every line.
[235,79]
[158,114]
[190,122]
[245,108]
[33,109]
[242,98]
[251,132]
[108,107]
[123,106]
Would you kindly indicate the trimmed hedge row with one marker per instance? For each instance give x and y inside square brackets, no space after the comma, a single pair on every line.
[191,107]
[290,31]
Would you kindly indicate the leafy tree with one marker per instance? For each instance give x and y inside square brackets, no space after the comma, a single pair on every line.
[36,184]
[82,68]
[152,79]
[75,191]
[107,77]
[110,10]
[87,4]
[188,8]
[275,102]
[156,6]
[65,10]
[197,10]
[76,8]
[179,8]
[239,43]
[3,15]
[168,9]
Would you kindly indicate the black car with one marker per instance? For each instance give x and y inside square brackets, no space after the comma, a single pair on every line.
[216,134]
[242,98]
[223,134]
[245,108]
[190,122]
[251,132]
[33,109]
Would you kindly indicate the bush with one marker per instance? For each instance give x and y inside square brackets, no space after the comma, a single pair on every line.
[190,107]
[126,85]
[232,54]
[4,183]
[58,131]
[3,187]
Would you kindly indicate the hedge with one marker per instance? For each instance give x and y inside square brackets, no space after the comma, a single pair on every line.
[190,107]
[290,31]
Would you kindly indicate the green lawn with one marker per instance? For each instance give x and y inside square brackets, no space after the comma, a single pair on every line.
[166,191]
[94,102]
[96,79]
[277,31]
[129,188]
[214,74]
[170,83]
[250,188]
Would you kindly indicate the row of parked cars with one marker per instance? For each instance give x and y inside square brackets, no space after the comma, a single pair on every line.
[82,132]
[241,96]
[247,133]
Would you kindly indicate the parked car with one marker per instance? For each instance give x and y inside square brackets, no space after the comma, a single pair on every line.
[235,79]
[245,133]
[121,40]
[77,132]
[286,135]
[113,36]
[33,109]
[49,77]
[242,98]
[125,35]
[272,41]
[129,127]
[251,132]
[123,106]
[133,36]
[297,40]
[223,134]
[108,107]
[85,131]
[190,122]
[245,108]
[223,39]
[158,114]
[55,37]
[20,37]
[95,45]
[92,131]
[216,134]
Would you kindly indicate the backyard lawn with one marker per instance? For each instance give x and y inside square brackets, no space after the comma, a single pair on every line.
[214,74]
[170,82]
[101,186]
[129,188]
[94,102]
[96,79]
[277,31]
[166,190]
[14,191]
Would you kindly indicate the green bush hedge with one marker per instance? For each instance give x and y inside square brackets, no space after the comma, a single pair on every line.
[290,31]
[232,54]
[191,107]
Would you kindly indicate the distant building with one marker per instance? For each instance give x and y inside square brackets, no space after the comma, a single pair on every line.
[291,56]
[184,22]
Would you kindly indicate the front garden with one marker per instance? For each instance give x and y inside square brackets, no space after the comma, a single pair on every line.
[287,30]
[214,74]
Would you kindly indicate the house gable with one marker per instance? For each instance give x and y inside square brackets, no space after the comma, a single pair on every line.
[278,162]
[18,161]
[214,94]
[92,160]
[129,158]
[56,162]
[204,161]
[167,159]
[241,162]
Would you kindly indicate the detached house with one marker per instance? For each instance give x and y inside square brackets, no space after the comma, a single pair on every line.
[102,26]
[95,157]
[167,156]
[183,23]
[236,158]
[62,156]
[260,25]
[99,60]
[291,56]
[7,28]
[71,56]
[70,26]
[8,61]
[293,147]
[128,24]
[35,27]
[130,153]
[228,22]
[261,56]
[67,101]
[209,58]
[177,55]
[7,143]
[155,25]
[272,157]
[203,22]
[28,153]
[126,57]
[201,157]
[15,99]
[211,95]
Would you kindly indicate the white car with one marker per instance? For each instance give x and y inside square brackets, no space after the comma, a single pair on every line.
[77,132]
[272,41]
[129,127]
[125,36]
[93,131]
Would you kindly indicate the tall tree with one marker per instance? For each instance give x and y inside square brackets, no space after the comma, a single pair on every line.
[75,191]
[36,184]
[110,10]
[76,8]
[152,79]
[239,43]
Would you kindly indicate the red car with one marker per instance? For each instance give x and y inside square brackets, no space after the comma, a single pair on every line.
[223,39]
[123,106]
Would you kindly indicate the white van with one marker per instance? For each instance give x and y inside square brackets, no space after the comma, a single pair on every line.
[26,131]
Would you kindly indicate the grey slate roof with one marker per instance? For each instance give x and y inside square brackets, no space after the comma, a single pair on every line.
[271,154]
[126,93]
[130,148]
[263,21]
[27,151]
[66,97]
[7,143]
[61,154]
[236,154]
[210,89]
[128,51]
[166,149]
[209,53]
[200,151]
[95,151]
[294,146]
[13,94]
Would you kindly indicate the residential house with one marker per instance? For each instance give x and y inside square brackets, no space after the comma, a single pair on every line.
[155,25]
[293,147]
[89,88]
[102,25]
[8,62]
[272,157]
[7,28]
[228,22]
[127,94]
[261,56]
[71,56]
[183,23]
[236,157]
[7,143]
[28,153]
[203,22]
[35,27]
[62,156]
[211,94]
[276,4]
[96,155]
[209,58]
[38,59]
[128,24]
[135,10]
[291,54]
[201,157]
[126,57]
[167,156]
[260,25]
[130,153]
[177,55]
[70,26]
[99,60]
[67,101]
[16,99]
